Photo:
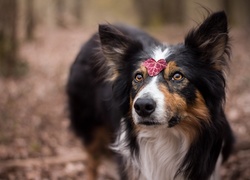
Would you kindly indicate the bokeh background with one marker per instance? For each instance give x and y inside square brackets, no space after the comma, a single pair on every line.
[39,40]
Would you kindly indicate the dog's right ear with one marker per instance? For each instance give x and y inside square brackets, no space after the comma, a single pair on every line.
[211,40]
[116,47]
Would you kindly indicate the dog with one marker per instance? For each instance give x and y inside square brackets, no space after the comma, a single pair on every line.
[162,106]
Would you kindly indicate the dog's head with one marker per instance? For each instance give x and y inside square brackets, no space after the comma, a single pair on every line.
[168,85]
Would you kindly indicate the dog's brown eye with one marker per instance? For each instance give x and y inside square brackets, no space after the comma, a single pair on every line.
[138,77]
[177,77]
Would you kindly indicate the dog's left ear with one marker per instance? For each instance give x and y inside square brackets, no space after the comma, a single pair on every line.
[210,39]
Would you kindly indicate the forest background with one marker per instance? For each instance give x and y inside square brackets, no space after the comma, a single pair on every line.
[39,40]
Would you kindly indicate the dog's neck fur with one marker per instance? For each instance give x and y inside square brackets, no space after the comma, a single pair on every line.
[161,153]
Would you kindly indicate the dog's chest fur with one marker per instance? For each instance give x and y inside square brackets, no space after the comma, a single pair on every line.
[161,153]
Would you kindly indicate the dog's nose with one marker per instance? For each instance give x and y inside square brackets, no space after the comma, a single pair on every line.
[144,107]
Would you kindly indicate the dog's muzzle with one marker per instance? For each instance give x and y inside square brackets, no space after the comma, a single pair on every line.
[144,107]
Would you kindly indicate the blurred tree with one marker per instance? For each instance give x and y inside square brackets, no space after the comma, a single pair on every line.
[10,63]
[8,37]
[78,10]
[158,12]
[30,20]
[147,11]
[60,10]
[172,11]
[239,12]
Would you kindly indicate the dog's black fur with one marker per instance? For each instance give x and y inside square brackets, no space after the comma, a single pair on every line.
[101,92]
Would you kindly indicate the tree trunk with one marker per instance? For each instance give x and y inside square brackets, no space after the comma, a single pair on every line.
[172,11]
[60,10]
[8,36]
[30,20]
[239,12]
[158,12]
[78,10]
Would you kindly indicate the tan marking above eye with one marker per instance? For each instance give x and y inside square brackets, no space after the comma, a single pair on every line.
[177,77]
[138,77]
[170,69]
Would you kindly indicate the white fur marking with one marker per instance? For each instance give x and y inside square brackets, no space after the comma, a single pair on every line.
[152,91]
[120,144]
[159,54]
[216,173]
[118,50]
[162,151]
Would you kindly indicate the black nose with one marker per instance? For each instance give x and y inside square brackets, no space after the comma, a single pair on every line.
[144,107]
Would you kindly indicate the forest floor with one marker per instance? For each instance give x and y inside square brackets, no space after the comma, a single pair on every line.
[35,139]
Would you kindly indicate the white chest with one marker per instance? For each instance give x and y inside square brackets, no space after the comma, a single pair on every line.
[161,154]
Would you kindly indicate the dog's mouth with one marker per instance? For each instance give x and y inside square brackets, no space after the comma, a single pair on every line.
[149,123]
[146,121]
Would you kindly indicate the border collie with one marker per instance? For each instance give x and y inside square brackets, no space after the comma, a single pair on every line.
[164,104]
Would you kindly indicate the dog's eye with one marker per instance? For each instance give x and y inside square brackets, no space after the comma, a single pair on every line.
[138,77]
[177,77]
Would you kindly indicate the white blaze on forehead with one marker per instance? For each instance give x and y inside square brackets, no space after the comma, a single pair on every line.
[159,53]
[152,91]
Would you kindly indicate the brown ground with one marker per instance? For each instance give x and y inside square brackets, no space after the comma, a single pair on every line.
[35,141]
